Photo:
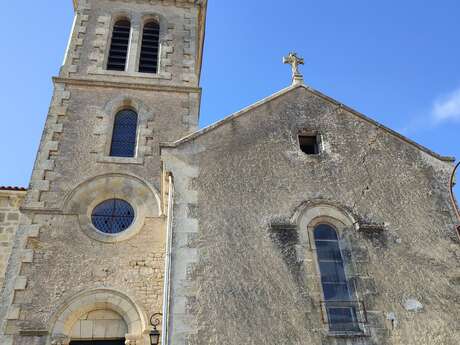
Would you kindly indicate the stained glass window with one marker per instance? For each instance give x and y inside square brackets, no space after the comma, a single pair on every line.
[340,307]
[113,216]
[124,134]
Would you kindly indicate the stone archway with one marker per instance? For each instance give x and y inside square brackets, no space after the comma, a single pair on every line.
[99,315]
[99,324]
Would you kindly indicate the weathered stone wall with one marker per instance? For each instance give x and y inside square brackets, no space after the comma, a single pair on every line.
[77,143]
[62,268]
[252,278]
[179,38]
[10,202]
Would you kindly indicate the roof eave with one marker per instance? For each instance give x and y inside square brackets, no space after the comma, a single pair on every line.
[203,3]
[229,118]
[12,191]
[379,125]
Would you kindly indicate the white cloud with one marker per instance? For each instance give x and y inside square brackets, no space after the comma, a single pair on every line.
[447,108]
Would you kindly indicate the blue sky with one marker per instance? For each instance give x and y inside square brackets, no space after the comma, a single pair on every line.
[395,61]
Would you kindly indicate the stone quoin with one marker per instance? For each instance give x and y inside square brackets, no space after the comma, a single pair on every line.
[296,220]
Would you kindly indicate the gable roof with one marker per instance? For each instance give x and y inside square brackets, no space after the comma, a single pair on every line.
[282,92]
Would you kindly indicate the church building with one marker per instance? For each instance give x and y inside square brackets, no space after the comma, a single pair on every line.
[295,221]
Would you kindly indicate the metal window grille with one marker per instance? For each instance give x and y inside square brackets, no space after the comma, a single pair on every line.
[113,216]
[119,46]
[124,134]
[344,316]
[150,46]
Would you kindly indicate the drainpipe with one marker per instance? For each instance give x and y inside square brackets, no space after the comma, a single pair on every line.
[452,196]
[167,277]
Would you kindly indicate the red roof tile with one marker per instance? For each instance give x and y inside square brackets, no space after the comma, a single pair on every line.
[15,189]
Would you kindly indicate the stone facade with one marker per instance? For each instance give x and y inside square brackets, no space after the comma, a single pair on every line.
[248,199]
[65,279]
[10,201]
[221,242]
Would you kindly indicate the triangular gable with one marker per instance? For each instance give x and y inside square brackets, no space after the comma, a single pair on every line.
[282,92]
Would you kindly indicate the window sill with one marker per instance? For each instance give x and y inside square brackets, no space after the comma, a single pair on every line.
[313,155]
[347,334]
[110,73]
[121,160]
[301,156]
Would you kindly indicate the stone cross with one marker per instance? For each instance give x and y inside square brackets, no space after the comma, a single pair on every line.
[295,61]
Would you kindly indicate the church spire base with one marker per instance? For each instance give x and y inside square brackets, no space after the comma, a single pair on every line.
[295,61]
[297,79]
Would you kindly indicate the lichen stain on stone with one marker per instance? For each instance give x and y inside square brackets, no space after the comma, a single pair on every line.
[285,239]
[252,172]
[378,238]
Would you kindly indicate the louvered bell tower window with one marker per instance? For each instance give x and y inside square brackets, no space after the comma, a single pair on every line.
[150,46]
[124,134]
[119,46]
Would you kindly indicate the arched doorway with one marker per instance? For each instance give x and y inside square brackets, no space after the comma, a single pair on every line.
[99,327]
[99,317]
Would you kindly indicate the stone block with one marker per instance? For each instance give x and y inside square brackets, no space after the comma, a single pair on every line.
[50,146]
[47,164]
[101,31]
[41,185]
[14,312]
[21,283]
[28,256]
[86,329]
[33,230]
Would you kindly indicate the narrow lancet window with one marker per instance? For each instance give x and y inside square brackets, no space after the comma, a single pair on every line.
[150,47]
[124,134]
[118,53]
[340,308]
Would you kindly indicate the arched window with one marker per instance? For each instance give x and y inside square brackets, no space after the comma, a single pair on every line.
[338,302]
[119,46]
[124,134]
[150,46]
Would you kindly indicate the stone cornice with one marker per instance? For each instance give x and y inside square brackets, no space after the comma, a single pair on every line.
[202,3]
[126,85]
[13,193]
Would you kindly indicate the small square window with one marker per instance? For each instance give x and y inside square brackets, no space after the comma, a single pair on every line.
[309,144]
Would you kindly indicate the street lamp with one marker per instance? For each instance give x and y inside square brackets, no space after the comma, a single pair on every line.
[154,333]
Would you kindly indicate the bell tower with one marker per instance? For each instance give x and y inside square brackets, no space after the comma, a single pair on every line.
[158,47]
[89,253]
